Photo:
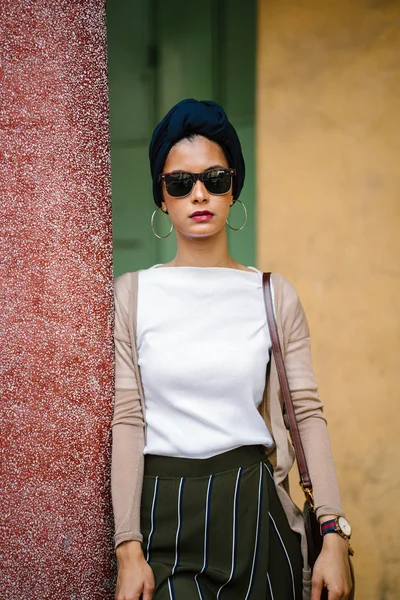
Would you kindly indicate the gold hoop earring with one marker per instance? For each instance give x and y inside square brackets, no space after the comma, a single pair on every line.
[160,237]
[245,218]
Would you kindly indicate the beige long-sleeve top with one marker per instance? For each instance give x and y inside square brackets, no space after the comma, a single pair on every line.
[129,416]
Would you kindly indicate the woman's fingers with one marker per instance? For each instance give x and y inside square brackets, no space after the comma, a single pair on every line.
[135,576]
[135,582]
[317,586]
[148,591]
[332,570]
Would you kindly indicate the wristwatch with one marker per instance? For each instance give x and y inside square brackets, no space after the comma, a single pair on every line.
[339,525]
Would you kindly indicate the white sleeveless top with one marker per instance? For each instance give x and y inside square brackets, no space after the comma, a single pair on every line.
[203,348]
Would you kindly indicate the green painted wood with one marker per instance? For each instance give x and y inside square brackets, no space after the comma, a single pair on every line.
[131,75]
[134,244]
[185,41]
[161,51]
[131,83]
[237,94]
[242,244]
[184,38]
[239,60]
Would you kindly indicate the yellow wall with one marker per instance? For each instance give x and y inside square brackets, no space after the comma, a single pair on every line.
[328,165]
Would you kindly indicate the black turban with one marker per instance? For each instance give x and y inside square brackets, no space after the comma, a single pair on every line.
[205,118]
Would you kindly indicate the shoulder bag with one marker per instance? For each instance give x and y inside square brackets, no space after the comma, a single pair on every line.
[312,527]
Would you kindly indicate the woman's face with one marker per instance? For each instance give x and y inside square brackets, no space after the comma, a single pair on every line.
[200,214]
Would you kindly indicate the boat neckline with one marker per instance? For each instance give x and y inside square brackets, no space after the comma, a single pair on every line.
[251,270]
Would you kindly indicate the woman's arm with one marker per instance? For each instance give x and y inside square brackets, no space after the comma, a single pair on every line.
[332,567]
[127,467]
[308,407]
[135,577]
[127,428]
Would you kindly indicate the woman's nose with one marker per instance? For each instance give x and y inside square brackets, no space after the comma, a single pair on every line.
[199,192]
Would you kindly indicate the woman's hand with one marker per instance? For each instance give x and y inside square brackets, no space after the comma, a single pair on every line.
[332,569]
[135,577]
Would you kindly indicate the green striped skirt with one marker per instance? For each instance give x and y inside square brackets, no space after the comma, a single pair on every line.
[214,529]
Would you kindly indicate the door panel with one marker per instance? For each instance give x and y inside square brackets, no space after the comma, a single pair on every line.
[184,37]
[131,76]
[242,243]
[134,243]
[238,58]
[162,51]
[131,82]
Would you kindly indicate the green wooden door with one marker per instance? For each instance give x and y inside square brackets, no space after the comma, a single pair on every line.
[131,82]
[159,53]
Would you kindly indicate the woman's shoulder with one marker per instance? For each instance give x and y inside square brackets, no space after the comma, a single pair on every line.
[285,294]
[125,284]
[290,312]
[283,286]
[125,279]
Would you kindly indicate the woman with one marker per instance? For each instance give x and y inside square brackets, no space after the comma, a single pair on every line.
[200,512]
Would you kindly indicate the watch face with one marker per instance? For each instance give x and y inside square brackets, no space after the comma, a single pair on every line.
[344,526]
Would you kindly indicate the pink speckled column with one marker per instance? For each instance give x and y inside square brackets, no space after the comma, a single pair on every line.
[56,302]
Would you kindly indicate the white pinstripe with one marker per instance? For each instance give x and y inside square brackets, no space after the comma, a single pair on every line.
[270,587]
[171,594]
[153,508]
[270,474]
[205,536]
[287,555]
[178,528]
[233,533]
[257,531]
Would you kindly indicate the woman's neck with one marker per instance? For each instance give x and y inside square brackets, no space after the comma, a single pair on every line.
[229,264]
[209,252]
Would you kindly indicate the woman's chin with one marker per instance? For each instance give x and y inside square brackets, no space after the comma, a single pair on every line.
[199,233]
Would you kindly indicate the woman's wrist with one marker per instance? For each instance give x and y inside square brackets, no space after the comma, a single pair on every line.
[325,518]
[128,551]
[334,540]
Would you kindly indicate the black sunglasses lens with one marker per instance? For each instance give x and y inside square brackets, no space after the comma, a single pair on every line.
[217,181]
[179,184]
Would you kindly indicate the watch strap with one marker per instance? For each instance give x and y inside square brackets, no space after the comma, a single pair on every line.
[332,526]
[329,527]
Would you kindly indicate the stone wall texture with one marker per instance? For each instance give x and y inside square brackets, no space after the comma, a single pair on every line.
[56,368]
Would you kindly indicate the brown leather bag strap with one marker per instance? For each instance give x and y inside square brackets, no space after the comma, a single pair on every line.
[305,480]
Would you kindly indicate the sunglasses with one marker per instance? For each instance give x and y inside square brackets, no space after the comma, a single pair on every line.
[180,183]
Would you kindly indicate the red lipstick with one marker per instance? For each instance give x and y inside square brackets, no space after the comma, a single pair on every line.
[201,216]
